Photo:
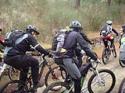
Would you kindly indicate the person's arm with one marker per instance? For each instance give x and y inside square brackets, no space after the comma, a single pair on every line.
[36,45]
[85,46]
[86,38]
[115,31]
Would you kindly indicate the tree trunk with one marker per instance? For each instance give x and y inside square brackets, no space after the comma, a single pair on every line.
[77,3]
[119,2]
[109,2]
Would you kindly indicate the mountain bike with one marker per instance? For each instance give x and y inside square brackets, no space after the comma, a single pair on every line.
[107,52]
[101,81]
[17,86]
[122,87]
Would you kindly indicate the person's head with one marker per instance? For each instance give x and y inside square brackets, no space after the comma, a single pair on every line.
[32,30]
[123,28]
[75,24]
[109,22]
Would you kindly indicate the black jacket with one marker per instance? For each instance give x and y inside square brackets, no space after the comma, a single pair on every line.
[71,41]
[26,41]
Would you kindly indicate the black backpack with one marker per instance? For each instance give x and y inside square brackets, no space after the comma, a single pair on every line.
[12,36]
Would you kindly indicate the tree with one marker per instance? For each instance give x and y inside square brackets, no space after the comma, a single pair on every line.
[77,3]
[109,2]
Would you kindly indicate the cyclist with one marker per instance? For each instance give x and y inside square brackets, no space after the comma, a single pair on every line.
[16,57]
[106,33]
[78,51]
[70,44]
[122,46]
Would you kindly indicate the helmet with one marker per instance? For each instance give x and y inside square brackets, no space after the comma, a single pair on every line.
[123,28]
[31,28]
[109,22]
[75,24]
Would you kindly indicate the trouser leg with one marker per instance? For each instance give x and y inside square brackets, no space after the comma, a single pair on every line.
[74,72]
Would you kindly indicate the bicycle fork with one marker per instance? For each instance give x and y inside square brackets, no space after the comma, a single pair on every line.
[99,80]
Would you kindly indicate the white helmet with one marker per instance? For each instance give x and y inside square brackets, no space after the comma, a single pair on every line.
[109,22]
[75,24]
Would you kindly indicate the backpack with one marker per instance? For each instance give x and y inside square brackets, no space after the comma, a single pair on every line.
[11,37]
[59,40]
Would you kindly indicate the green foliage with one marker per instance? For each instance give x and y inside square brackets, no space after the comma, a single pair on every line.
[50,14]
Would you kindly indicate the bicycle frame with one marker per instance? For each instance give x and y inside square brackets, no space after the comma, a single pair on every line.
[41,66]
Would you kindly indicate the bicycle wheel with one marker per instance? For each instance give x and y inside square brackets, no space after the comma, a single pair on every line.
[114,52]
[13,73]
[105,56]
[122,87]
[55,74]
[62,87]
[102,83]
[122,64]
[15,86]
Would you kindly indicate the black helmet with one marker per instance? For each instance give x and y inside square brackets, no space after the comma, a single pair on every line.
[31,28]
[75,24]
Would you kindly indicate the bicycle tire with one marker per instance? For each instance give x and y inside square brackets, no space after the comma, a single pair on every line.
[61,84]
[13,73]
[104,58]
[94,76]
[7,85]
[114,52]
[47,76]
[121,63]
[122,87]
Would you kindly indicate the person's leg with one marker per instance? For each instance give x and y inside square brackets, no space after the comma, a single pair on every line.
[112,43]
[74,72]
[34,64]
[24,62]
[77,85]
[18,63]
[105,43]
[23,75]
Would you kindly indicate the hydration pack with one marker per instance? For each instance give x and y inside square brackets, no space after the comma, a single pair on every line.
[59,40]
[11,37]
